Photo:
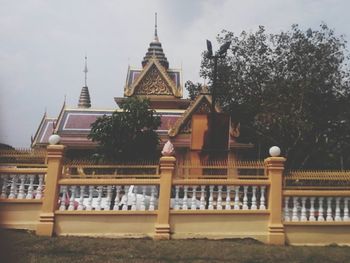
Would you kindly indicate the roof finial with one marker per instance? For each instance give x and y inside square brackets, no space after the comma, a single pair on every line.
[155,28]
[85,71]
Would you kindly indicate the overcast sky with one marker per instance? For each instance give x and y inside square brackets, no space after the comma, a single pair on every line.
[43,44]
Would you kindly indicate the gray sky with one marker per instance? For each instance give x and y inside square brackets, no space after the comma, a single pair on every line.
[43,44]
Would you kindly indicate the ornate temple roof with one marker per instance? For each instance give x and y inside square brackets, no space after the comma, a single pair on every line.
[74,124]
[155,80]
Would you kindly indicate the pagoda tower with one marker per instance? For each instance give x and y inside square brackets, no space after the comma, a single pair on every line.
[155,80]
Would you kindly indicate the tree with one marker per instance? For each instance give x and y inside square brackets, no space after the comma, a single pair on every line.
[289,89]
[129,133]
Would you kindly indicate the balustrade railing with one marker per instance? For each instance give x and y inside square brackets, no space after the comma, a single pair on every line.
[22,183]
[219,196]
[108,197]
[317,207]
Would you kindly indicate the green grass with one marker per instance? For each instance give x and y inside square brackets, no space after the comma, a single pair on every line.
[21,246]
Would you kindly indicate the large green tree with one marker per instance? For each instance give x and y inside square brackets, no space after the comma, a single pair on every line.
[289,89]
[129,133]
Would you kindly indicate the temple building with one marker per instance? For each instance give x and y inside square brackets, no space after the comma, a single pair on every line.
[184,122]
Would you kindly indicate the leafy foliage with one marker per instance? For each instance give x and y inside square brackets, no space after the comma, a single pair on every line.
[129,133]
[290,89]
[193,89]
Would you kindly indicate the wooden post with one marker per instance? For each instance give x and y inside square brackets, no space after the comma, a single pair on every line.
[274,167]
[162,227]
[50,199]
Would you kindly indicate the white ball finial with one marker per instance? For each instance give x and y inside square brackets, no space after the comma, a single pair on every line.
[275,151]
[54,139]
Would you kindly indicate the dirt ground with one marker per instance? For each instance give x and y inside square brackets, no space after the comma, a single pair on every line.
[22,246]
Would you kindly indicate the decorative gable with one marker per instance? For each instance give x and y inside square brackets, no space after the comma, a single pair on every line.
[201,105]
[153,83]
[153,80]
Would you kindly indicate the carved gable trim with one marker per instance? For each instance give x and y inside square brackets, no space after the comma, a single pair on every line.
[153,83]
[153,80]
[201,105]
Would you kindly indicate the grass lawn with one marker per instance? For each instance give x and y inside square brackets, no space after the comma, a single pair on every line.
[21,246]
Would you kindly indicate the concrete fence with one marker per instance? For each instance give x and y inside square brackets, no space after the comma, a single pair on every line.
[59,199]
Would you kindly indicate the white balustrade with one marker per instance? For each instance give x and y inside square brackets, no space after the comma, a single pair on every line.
[320,217]
[21,195]
[99,198]
[117,198]
[107,205]
[202,199]
[90,197]
[72,199]
[30,192]
[329,217]
[211,198]
[13,189]
[303,217]
[193,199]
[346,209]
[245,198]
[125,198]
[39,189]
[143,199]
[312,209]
[286,209]
[133,202]
[152,199]
[4,181]
[63,198]
[254,207]
[236,205]
[177,200]
[21,186]
[295,217]
[218,197]
[262,198]
[228,198]
[81,198]
[312,217]
[184,201]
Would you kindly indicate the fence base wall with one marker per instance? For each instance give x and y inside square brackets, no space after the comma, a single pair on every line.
[218,226]
[20,215]
[317,235]
[105,225]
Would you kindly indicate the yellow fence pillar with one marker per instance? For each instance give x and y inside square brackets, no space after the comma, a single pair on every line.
[275,167]
[50,199]
[162,227]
